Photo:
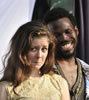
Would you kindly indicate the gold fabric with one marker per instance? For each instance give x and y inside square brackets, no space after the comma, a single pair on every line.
[46,87]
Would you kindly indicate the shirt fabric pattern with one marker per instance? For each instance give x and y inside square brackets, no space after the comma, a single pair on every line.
[46,87]
[77,92]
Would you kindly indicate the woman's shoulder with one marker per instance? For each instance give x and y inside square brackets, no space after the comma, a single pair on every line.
[2,86]
[3,90]
[54,77]
[6,85]
[58,78]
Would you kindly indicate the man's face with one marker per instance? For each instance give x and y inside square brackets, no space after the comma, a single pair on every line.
[66,36]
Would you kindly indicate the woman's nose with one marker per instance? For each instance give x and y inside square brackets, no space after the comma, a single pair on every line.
[39,54]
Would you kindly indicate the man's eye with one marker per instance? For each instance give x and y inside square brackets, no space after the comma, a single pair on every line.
[58,34]
[68,31]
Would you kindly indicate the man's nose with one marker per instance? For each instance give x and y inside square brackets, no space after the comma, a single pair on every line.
[65,36]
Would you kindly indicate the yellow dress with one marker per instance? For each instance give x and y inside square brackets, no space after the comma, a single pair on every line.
[46,87]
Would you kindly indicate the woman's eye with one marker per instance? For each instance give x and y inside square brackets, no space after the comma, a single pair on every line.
[33,49]
[44,49]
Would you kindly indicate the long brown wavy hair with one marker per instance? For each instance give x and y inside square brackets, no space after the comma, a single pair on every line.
[17,69]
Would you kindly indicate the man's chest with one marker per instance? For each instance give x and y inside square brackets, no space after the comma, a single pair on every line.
[71,77]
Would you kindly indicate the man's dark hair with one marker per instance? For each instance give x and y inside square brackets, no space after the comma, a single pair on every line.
[57,13]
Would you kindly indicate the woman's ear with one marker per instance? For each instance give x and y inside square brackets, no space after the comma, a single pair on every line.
[76,30]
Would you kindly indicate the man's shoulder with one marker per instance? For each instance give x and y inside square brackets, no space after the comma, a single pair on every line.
[86,71]
[83,63]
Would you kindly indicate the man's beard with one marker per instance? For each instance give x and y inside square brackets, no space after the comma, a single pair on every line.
[63,55]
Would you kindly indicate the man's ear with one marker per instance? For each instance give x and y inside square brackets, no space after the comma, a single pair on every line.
[76,30]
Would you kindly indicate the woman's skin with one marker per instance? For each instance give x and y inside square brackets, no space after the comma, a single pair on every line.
[38,54]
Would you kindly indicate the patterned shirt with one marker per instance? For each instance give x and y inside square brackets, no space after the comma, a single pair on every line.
[46,87]
[77,92]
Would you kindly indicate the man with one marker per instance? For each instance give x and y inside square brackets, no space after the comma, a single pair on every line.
[75,71]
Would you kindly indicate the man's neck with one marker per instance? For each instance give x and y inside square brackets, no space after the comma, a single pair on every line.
[68,62]
[69,68]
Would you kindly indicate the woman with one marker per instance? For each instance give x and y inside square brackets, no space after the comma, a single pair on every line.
[28,67]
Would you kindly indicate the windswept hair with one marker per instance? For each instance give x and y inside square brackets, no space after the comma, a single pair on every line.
[58,13]
[17,68]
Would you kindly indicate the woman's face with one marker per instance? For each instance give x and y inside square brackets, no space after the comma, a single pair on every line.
[38,52]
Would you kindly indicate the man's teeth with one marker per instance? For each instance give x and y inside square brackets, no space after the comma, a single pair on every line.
[67,45]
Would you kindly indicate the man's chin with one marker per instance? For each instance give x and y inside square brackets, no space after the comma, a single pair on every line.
[65,55]
[69,56]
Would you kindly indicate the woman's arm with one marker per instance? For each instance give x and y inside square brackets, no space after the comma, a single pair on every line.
[64,90]
[3,92]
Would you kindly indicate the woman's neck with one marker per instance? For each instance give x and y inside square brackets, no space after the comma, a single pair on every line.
[35,73]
